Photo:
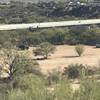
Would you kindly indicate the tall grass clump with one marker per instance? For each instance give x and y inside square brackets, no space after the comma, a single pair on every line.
[79,50]
[28,87]
[89,90]
[17,94]
[63,91]
[54,77]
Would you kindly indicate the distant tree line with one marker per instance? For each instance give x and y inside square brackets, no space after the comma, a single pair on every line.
[57,36]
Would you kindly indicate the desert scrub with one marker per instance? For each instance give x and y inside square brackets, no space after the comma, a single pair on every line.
[79,49]
[44,49]
[77,71]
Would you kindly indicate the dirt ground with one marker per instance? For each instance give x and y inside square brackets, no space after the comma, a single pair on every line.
[66,55]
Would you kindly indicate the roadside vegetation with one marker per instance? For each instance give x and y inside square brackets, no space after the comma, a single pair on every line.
[22,39]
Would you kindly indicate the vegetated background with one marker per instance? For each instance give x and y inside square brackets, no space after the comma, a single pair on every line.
[25,80]
[5,1]
[21,12]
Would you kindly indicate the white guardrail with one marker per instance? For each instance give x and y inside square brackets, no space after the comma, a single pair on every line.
[48,24]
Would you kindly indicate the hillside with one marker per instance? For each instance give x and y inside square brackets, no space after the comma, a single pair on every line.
[6,1]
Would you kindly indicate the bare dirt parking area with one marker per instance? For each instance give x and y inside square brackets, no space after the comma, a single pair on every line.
[66,55]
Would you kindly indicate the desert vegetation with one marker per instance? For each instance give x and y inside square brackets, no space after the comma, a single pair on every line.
[44,49]
[22,76]
[25,80]
[20,12]
[79,49]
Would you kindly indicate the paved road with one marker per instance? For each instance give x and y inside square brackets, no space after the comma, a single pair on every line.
[49,24]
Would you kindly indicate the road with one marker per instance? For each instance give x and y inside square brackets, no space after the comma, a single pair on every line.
[49,24]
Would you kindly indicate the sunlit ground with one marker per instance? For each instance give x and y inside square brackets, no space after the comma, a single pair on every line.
[66,55]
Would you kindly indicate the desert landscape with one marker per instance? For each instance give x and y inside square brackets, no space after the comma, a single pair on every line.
[66,55]
[49,50]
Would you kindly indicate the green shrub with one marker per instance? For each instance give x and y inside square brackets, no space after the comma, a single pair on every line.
[79,49]
[57,38]
[77,71]
[22,65]
[23,46]
[44,49]
[19,64]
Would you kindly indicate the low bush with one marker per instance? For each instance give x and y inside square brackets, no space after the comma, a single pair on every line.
[79,49]
[44,49]
[77,71]
[23,46]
